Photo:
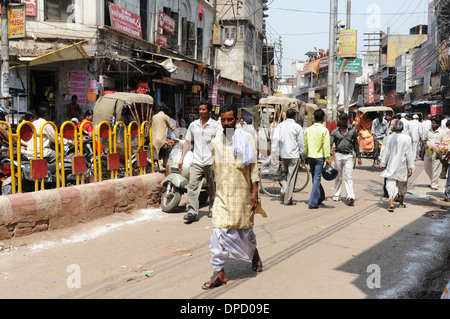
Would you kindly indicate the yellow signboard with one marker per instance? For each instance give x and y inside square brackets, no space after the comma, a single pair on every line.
[347,44]
[16,21]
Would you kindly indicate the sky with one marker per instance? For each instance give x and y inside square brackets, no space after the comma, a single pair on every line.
[303,25]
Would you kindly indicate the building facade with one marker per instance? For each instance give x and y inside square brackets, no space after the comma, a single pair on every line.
[162,48]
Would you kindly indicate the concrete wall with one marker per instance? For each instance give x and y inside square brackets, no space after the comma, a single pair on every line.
[27,213]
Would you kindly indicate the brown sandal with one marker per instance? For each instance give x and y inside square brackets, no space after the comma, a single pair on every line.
[257,265]
[216,280]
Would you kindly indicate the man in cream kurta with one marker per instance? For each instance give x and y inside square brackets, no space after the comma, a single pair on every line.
[236,200]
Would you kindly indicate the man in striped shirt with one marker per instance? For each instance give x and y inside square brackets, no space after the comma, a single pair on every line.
[201,132]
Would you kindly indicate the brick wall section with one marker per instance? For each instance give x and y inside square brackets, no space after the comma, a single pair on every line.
[24,214]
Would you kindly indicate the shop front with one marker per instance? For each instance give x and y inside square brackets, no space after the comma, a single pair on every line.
[52,79]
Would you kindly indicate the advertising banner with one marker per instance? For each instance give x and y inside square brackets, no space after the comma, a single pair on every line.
[347,44]
[16,21]
[30,7]
[166,23]
[371,92]
[125,21]
[161,39]
[78,86]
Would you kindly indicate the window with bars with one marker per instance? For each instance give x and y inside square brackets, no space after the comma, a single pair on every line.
[58,10]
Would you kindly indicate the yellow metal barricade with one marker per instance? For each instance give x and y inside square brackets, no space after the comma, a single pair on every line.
[70,134]
[11,156]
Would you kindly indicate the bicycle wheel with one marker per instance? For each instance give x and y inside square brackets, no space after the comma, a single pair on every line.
[302,179]
[270,179]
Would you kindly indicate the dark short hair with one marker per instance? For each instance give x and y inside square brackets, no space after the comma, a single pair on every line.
[29,115]
[319,115]
[161,106]
[43,111]
[290,113]
[88,113]
[436,119]
[209,106]
[228,108]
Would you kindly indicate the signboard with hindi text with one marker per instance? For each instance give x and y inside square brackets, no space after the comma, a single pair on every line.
[166,23]
[125,21]
[353,65]
[347,43]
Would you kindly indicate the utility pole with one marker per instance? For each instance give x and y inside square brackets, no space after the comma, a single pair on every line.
[5,52]
[346,75]
[331,87]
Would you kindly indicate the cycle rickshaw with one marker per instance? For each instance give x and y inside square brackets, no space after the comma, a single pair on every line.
[271,176]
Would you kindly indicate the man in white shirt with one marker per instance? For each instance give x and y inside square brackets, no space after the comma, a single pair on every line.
[432,138]
[405,123]
[426,126]
[289,139]
[201,132]
[415,132]
[48,137]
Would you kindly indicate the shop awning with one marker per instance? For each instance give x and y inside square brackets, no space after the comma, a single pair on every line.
[425,102]
[71,52]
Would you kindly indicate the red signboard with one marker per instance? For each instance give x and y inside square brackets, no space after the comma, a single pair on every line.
[371,92]
[436,109]
[166,23]
[161,40]
[125,21]
[30,7]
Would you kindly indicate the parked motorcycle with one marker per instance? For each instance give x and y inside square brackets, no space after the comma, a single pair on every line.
[176,182]
[28,184]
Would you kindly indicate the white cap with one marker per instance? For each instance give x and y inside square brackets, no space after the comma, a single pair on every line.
[403,114]
[415,116]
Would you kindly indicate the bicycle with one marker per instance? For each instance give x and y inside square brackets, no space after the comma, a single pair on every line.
[271,177]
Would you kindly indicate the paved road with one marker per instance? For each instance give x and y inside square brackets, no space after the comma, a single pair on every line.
[334,252]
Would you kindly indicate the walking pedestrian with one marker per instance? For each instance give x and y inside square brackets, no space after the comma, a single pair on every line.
[426,125]
[237,177]
[415,132]
[396,164]
[317,150]
[161,123]
[288,140]
[446,137]
[379,130]
[431,139]
[346,142]
[201,132]
[405,123]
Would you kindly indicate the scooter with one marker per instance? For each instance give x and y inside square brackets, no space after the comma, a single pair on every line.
[176,181]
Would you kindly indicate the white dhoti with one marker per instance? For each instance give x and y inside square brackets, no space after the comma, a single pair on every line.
[241,243]
[395,187]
